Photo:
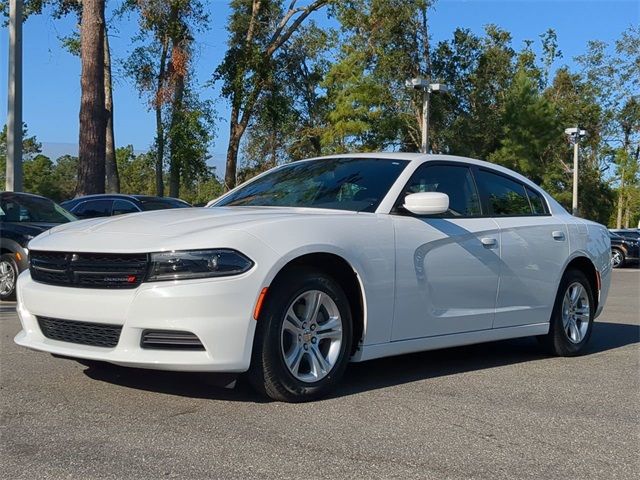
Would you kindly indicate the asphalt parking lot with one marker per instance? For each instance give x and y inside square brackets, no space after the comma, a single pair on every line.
[500,410]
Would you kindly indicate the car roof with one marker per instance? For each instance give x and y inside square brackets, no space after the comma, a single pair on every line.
[98,196]
[23,194]
[155,197]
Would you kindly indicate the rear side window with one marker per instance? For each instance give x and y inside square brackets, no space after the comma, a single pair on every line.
[505,197]
[121,207]
[94,208]
[456,181]
[537,203]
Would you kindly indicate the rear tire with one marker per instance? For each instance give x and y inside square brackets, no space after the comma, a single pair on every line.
[572,317]
[303,337]
[617,258]
[8,276]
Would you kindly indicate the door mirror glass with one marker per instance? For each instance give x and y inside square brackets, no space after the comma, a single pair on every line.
[427,203]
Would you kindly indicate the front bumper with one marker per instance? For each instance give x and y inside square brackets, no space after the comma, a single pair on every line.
[218,311]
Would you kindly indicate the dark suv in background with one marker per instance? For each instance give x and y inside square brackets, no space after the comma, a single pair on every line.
[106,205]
[22,217]
[624,247]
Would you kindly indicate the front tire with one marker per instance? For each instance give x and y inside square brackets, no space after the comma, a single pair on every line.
[8,277]
[303,339]
[572,318]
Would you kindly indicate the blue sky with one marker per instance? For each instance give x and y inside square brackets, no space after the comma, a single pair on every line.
[52,83]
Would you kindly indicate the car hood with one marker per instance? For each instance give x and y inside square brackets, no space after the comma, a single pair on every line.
[166,229]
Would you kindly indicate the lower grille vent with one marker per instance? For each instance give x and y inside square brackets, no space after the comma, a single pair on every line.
[170,340]
[84,333]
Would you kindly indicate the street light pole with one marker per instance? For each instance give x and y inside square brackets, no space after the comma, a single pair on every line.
[427,88]
[575,135]
[574,198]
[14,107]
[424,146]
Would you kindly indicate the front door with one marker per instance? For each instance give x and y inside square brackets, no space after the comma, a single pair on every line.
[447,267]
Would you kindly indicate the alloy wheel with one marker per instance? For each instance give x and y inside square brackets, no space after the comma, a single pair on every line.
[616,258]
[575,312]
[311,336]
[7,277]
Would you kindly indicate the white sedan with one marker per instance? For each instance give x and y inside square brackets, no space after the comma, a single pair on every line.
[317,263]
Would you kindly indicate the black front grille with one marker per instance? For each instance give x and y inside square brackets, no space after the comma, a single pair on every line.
[89,270]
[85,333]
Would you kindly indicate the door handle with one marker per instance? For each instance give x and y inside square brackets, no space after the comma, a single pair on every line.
[558,235]
[489,242]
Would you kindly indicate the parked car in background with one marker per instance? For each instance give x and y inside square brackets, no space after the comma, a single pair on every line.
[624,249]
[107,205]
[22,217]
[632,233]
[317,263]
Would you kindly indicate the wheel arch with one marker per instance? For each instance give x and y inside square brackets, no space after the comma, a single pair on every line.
[585,265]
[345,274]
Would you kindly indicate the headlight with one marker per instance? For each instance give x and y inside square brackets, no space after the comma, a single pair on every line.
[189,264]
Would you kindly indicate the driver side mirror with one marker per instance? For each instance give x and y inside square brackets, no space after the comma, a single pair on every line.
[427,203]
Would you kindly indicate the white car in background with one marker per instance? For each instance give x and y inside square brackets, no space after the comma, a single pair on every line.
[317,263]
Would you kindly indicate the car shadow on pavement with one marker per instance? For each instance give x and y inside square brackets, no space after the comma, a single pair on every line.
[371,375]
[398,370]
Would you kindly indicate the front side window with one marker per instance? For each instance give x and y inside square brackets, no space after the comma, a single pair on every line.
[456,181]
[356,184]
[505,196]
[94,208]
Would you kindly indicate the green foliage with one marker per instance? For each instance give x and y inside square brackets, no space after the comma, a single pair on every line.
[65,176]
[30,148]
[381,46]
[138,177]
[291,113]
[190,135]
[469,121]
[531,127]
[38,177]
[137,172]
[299,90]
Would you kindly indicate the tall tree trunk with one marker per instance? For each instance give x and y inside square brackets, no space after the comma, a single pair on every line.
[174,161]
[111,166]
[91,152]
[159,124]
[236,130]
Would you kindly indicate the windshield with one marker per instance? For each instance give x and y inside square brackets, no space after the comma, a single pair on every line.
[357,184]
[22,208]
[161,203]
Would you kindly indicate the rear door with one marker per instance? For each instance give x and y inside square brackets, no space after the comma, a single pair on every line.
[534,248]
[447,266]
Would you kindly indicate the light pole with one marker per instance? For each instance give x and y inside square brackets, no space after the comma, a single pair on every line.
[575,135]
[14,107]
[427,88]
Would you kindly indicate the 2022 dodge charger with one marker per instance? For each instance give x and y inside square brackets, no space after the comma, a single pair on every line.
[317,263]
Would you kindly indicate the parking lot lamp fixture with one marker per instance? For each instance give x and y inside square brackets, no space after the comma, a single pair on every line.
[427,88]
